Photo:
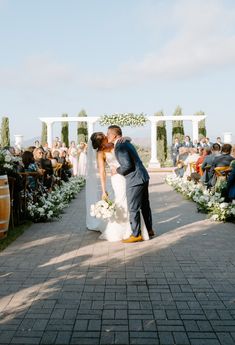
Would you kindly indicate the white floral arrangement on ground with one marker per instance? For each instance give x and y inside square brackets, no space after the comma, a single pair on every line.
[208,201]
[104,209]
[51,205]
[7,161]
[126,119]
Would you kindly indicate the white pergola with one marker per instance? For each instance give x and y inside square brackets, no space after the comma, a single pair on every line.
[154,163]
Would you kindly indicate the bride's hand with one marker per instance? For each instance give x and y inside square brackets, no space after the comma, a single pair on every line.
[104,196]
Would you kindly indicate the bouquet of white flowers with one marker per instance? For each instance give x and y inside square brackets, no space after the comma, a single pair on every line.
[103,209]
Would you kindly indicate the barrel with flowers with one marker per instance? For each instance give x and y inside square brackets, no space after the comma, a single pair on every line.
[5,166]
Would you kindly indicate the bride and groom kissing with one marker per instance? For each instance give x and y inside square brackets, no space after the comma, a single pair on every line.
[129,181]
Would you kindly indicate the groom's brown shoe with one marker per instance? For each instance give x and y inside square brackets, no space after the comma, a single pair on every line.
[151,233]
[133,239]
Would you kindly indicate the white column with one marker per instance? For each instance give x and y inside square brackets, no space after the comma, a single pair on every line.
[154,163]
[195,130]
[18,140]
[49,134]
[228,138]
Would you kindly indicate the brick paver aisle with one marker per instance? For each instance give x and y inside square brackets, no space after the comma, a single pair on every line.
[60,284]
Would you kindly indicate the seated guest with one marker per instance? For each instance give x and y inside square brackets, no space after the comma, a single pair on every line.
[231,183]
[233,151]
[45,164]
[208,143]
[197,174]
[208,161]
[180,164]
[66,169]
[29,166]
[192,158]
[203,152]
[223,160]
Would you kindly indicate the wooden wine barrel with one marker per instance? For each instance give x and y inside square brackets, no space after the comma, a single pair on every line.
[4,206]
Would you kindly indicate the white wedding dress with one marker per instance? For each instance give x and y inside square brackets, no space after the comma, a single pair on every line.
[119,227]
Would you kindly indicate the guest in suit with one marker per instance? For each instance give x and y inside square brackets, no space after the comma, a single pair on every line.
[231,183]
[175,150]
[208,161]
[222,160]
[187,142]
[219,141]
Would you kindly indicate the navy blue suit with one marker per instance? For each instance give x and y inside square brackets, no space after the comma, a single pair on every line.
[231,185]
[137,181]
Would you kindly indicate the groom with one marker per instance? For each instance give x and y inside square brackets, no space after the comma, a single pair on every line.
[137,181]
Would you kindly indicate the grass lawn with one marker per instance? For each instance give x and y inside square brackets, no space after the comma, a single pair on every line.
[13,234]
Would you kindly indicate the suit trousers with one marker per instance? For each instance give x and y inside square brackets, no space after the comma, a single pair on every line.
[138,200]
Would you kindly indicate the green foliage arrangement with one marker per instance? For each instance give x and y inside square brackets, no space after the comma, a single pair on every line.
[65,131]
[44,133]
[178,126]
[82,131]
[5,132]
[161,139]
[122,120]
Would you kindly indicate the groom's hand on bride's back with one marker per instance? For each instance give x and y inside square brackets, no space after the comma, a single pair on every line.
[113,171]
[123,139]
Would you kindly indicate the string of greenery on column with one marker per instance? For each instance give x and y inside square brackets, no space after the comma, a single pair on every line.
[82,132]
[5,132]
[201,125]
[178,126]
[65,131]
[161,139]
[44,134]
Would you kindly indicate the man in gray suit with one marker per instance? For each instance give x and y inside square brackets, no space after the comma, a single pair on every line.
[137,181]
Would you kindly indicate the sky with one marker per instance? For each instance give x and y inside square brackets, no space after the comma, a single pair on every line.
[140,56]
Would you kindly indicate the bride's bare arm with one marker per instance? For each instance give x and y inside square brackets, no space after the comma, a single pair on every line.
[102,172]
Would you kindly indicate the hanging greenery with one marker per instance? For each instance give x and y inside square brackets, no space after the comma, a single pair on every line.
[5,132]
[65,131]
[44,133]
[126,119]
[201,125]
[178,126]
[161,139]
[82,132]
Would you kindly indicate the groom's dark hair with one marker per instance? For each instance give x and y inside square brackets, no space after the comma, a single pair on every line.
[116,129]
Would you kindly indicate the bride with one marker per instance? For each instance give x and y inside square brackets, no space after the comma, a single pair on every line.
[101,154]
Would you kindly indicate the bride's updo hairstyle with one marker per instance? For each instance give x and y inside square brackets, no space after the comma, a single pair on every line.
[97,140]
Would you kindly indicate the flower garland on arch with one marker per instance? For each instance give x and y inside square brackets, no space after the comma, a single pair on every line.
[125,119]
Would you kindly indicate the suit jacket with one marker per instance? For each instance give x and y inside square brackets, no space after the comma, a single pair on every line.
[222,160]
[231,185]
[175,149]
[130,164]
[188,144]
[209,160]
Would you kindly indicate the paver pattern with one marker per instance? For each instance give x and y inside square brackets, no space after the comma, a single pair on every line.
[60,284]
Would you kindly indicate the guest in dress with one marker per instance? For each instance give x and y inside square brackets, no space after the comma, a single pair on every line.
[192,158]
[73,157]
[82,161]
